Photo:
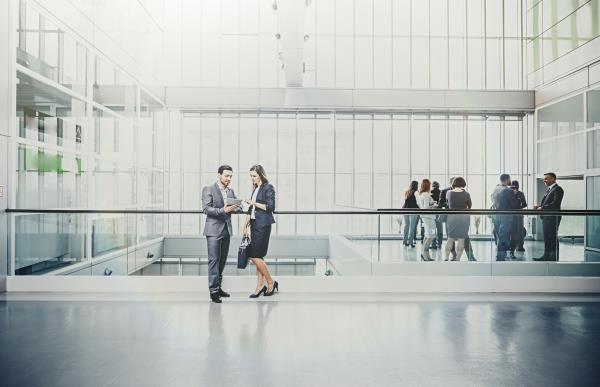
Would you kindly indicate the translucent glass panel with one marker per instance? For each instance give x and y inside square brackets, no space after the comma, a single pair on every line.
[562,154]
[48,242]
[593,203]
[593,149]
[49,51]
[113,89]
[50,178]
[357,44]
[338,161]
[561,142]
[561,118]
[50,116]
[593,108]
[556,28]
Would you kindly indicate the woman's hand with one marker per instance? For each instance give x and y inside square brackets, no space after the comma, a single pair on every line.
[246,230]
[249,202]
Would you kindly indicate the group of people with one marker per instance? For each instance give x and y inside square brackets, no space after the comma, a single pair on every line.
[454,197]
[218,230]
[509,230]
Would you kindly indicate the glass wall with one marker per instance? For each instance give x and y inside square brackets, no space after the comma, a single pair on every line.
[593,124]
[555,28]
[88,136]
[329,161]
[593,223]
[561,136]
[458,44]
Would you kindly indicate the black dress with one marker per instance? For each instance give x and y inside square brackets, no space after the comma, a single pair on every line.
[259,243]
[260,228]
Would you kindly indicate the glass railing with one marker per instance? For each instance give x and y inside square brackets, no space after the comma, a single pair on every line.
[311,243]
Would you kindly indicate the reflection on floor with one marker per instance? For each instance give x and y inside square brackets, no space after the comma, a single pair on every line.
[485,251]
[329,341]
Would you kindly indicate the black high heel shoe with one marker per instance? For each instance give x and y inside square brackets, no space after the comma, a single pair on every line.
[275,287]
[256,295]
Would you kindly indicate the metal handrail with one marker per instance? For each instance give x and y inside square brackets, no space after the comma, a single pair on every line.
[402,211]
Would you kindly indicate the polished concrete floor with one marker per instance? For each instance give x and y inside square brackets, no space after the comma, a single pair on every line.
[299,340]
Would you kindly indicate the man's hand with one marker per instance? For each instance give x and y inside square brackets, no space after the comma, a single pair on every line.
[231,208]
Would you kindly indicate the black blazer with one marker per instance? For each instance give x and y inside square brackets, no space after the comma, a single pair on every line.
[443,203]
[552,199]
[266,196]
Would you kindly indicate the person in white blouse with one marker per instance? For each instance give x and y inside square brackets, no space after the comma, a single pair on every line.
[425,202]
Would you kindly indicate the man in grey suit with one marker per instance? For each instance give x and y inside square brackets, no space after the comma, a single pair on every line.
[217,229]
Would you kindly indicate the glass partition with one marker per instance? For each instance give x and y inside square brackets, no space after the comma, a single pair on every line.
[361,243]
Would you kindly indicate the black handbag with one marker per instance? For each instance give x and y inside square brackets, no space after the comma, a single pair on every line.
[243,252]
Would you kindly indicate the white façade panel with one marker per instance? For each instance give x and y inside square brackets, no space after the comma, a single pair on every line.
[382,72]
[325,61]
[363,17]
[248,61]
[364,62]
[344,62]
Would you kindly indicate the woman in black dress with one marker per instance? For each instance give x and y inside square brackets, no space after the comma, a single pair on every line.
[258,224]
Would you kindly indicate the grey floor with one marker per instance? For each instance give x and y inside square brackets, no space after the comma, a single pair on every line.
[299,340]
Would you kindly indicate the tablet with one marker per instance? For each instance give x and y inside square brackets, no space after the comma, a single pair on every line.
[232,201]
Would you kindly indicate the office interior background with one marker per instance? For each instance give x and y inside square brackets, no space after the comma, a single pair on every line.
[134,105]
[114,114]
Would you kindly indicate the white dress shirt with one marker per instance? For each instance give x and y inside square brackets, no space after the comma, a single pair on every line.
[254,195]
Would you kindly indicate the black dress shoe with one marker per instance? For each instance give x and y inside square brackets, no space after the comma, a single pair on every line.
[275,287]
[215,298]
[521,249]
[223,293]
[542,258]
[256,295]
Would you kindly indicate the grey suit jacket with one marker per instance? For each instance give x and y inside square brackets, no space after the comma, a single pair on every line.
[218,222]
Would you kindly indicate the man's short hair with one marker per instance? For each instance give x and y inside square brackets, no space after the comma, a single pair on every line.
[224,168]
[551,174]
[504,177]
[435,184]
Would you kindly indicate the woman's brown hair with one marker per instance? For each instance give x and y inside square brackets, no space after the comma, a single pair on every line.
[414,187]
[459,182]
[260,171]
[425,186]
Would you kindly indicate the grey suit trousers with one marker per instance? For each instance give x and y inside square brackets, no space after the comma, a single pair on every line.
[218,249]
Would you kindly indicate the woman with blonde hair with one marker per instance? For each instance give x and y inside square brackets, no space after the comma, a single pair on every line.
[426,202]
[258,224]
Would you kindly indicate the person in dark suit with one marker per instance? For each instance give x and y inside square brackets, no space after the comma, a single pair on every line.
[503,198]
[217,229]
[258,224]
[551,201]
[518,239]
